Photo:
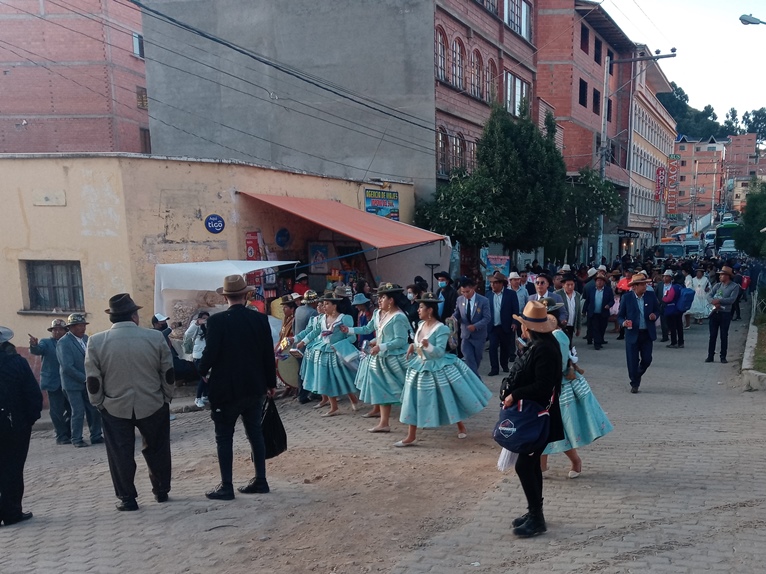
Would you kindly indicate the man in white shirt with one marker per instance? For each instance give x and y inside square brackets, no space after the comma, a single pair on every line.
[572,303]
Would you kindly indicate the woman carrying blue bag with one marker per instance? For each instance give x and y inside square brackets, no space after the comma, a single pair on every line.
[535,376]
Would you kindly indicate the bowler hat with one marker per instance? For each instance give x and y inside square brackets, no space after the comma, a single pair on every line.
[310,296]
[234,285]
[427,298]
[121,304]
[360,299]
[57,323]
[385,288]
[76,319]
[552,304]
[443,275]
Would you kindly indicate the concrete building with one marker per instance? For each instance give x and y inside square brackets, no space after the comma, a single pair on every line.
[701,175]
[81,228]
[355,88]
[73,78]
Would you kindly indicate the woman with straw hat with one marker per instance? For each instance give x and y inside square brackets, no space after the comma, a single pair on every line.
[330,371]
[535,376]
[439,388]
[380,378]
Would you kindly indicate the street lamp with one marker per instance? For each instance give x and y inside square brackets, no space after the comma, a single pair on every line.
[748,19]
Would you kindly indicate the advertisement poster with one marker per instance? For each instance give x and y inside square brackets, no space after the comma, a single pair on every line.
[500,263]
[382,202]
[319,253]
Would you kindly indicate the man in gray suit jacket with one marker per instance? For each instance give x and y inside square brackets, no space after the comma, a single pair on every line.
[130,379]
[572,302]
[473,315]
[70,352]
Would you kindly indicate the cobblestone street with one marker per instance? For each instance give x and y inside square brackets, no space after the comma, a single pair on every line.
[678,486]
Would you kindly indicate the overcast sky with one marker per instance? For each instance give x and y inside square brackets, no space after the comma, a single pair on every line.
[719,59]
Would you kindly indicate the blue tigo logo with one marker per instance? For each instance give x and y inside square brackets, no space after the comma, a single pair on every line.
[214,223]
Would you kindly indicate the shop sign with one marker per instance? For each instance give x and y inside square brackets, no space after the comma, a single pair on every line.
[660,184]
[214,223]
[672,178]
[382,202]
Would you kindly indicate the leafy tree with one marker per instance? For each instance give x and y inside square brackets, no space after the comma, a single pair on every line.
[748,236]
[755,123]
[732,125]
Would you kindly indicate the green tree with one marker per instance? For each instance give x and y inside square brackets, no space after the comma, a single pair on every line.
[755,123]
[748,236]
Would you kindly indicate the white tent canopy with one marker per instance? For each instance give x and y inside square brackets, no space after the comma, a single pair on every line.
[173,280]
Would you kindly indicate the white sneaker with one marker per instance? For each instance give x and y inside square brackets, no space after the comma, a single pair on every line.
[199,403]
[205,399]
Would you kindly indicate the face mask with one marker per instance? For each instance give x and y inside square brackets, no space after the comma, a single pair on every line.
[442,284]
[410,296]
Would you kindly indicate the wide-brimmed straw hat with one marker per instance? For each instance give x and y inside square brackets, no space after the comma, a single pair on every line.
[514,275]
[497,277]
[123,303]
[57,323]
[234,285]
[639,278]
[727,271]
[535,317]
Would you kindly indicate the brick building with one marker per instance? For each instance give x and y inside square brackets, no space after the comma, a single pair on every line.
[72,78]
[701,175]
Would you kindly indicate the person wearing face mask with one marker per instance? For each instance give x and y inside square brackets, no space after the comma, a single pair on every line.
[413,292]
[447,295]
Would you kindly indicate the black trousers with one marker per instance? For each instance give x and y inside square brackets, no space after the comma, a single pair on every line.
[597,323]
[719,321]
[570,331]
[14,447]
[120,439]
[504,341]
[531,478]
[676,328]
[225,418]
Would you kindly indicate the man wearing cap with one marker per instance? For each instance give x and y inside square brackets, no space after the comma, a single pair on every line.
[130,380]
[503,305]
[447,295]
[473,314]
[240,359]
[70,351]
[598,298]
[639,309]
[50,380]
[721,296]
[20,405]
[301,284]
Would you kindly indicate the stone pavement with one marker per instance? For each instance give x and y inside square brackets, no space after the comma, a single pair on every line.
[677,487]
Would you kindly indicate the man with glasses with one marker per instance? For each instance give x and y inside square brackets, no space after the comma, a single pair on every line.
[542,290]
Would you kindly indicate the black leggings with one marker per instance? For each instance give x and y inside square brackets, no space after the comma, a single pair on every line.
[531,477]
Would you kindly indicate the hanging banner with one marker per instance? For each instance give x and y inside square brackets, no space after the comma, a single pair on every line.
[660,184]
[672,178]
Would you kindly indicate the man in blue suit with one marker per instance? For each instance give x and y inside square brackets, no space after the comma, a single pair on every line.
[503,305]
[638,312]
[598,298]
[70,352]
[473,315]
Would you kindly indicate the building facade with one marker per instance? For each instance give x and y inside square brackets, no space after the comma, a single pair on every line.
[701,175]
[73,78]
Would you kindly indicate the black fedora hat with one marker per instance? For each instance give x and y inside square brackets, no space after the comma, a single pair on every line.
[121,304]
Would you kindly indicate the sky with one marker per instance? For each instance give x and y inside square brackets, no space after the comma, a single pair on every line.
[719,58]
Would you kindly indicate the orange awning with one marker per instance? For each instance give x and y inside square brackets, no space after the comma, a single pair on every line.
[360,225]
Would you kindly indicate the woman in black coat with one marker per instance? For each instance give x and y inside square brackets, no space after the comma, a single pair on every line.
[535,376]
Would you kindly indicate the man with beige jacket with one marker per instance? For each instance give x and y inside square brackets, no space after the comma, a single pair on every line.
[130,380]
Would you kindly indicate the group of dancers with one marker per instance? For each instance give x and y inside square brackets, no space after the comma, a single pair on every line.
[433,386]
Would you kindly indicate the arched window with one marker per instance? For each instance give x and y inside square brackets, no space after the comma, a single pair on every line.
[440,55]
[491,82]
[458,151]
[458,64]
[442,164]
[477,75]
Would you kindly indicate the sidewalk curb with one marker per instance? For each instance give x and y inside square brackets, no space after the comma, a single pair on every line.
[753,380]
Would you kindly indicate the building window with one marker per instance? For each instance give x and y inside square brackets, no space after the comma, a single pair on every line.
[597,51]
[682,147]
[711,148]
[681,192]
[752,173]
[477,79]
[596,102]
[55,285]
[698,148]
[583,99]
[138,45]
[609,110]
[146,140]
[683,162]
[441,56]
[490,5]
[471,158]
[142,100]
[516,92]
[442,165]
[584,38]
[610,55]
[518,17]
[458,151]
[458,64]
[681,178]
[491,79]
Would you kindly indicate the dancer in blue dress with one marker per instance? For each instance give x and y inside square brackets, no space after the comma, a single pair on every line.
[330,370]
[439,388]
[380,378]
[583,418]
[310,350]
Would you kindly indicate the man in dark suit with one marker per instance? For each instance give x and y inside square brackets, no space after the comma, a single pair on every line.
[240,353]
[70,352]
[572,302]
[638,312]
[598,300]
[473,314]
[503,305]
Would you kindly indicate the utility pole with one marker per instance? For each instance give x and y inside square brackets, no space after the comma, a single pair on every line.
[604,143]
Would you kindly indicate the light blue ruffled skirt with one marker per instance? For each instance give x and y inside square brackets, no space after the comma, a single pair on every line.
[325,374]
[584,419]
[444,396]
[380,379]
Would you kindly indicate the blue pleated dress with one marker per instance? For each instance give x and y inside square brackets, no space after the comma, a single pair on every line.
[380,378]
[583,418]
[310,349]
[325,373]
[439,388]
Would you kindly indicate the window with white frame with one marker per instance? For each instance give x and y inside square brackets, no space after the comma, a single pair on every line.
[491,81]
[477,79]
[516,92]
[138,45]
[442,163]
[518,17]
[440,55]
[458,64]
[458,151]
